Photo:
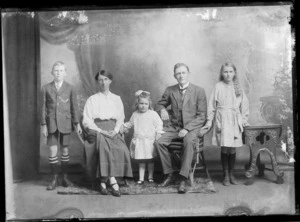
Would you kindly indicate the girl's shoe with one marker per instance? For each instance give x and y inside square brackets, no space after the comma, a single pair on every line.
[115,192]
[150,180]
[140,182]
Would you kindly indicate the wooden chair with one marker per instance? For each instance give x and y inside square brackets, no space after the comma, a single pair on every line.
[198,162]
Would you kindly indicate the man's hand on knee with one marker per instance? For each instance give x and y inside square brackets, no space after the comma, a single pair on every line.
[182,133]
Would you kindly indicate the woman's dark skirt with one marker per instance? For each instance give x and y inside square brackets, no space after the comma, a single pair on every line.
[106,157]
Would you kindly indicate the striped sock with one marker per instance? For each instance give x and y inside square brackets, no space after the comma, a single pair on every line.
[54,164]
[53,160]
[65,163]
[65,158]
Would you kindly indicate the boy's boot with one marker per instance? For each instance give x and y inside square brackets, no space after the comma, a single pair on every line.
[65,169]
[231,163]
[54,169]
[224,159]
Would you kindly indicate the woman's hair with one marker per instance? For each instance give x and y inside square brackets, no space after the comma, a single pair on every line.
[236,83]
[179,65]
[59,63]
[143,95]
[104,73]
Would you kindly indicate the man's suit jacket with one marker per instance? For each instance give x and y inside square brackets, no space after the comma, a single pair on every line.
[194,106]
[59,108]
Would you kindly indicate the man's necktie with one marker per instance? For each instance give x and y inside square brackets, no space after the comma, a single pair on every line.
[181,92]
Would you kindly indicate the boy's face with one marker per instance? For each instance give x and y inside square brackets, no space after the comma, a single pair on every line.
[59,73]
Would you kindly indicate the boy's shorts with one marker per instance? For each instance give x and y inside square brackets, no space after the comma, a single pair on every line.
[52,139]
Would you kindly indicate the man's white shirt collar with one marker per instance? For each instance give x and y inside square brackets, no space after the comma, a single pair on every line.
[184,86]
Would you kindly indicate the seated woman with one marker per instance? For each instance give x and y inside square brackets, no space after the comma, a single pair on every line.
[107,155]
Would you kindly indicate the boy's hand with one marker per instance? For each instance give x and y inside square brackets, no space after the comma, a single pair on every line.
[44,131]
[78,128]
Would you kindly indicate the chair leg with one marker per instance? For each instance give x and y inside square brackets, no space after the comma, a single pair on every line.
[191,177]
[202,159]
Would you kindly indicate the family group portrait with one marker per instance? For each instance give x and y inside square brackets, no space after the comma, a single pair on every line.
[118,113]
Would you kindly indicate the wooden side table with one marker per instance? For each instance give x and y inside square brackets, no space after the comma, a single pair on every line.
[258,139]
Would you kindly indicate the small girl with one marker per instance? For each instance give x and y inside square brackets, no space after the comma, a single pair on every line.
[147,128]
[228,108]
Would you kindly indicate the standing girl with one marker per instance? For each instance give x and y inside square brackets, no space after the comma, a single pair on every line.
[228,108]
[147,128]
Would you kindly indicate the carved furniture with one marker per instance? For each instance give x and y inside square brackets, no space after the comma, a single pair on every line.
[262,139]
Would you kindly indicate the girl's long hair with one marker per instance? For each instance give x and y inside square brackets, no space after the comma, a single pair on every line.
[236,83]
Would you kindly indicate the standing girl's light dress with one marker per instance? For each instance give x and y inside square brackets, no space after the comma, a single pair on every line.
[228,112]
[146,125]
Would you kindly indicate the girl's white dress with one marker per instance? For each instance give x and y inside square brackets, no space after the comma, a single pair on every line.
[146,125]
[228,113]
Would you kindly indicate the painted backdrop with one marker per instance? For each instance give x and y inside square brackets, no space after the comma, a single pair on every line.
[140,48]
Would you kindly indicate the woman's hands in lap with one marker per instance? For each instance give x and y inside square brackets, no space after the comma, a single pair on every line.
[109,134]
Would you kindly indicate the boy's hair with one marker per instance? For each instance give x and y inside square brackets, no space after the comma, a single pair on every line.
[104,73]
[236,84]
[143,95]
[59,63]
[179,65]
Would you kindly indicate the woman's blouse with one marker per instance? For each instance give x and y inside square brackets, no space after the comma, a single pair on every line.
[104,107]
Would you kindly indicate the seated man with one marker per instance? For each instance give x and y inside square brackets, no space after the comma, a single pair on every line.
[187,116]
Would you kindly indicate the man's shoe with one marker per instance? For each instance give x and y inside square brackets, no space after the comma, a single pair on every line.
[169,180]
[54,183]
[182,187]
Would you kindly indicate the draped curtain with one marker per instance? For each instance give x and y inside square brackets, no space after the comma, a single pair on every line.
[72,34]
[20,33]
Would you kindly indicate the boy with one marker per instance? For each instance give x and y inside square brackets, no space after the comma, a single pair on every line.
[59,111]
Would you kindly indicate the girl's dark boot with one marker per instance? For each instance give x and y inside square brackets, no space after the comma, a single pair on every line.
[231,161]
[224,160]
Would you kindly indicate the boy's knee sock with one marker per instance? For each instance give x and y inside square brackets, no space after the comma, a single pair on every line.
[65,163]
[54,165]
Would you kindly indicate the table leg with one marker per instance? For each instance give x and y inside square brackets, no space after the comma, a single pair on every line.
[276,170]
[260,166]
[253,168]
[247,165]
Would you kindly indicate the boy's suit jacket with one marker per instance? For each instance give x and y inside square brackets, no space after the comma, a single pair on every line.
[194,106]
[59,108]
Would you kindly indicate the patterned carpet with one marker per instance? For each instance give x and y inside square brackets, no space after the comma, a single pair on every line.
[201,185]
